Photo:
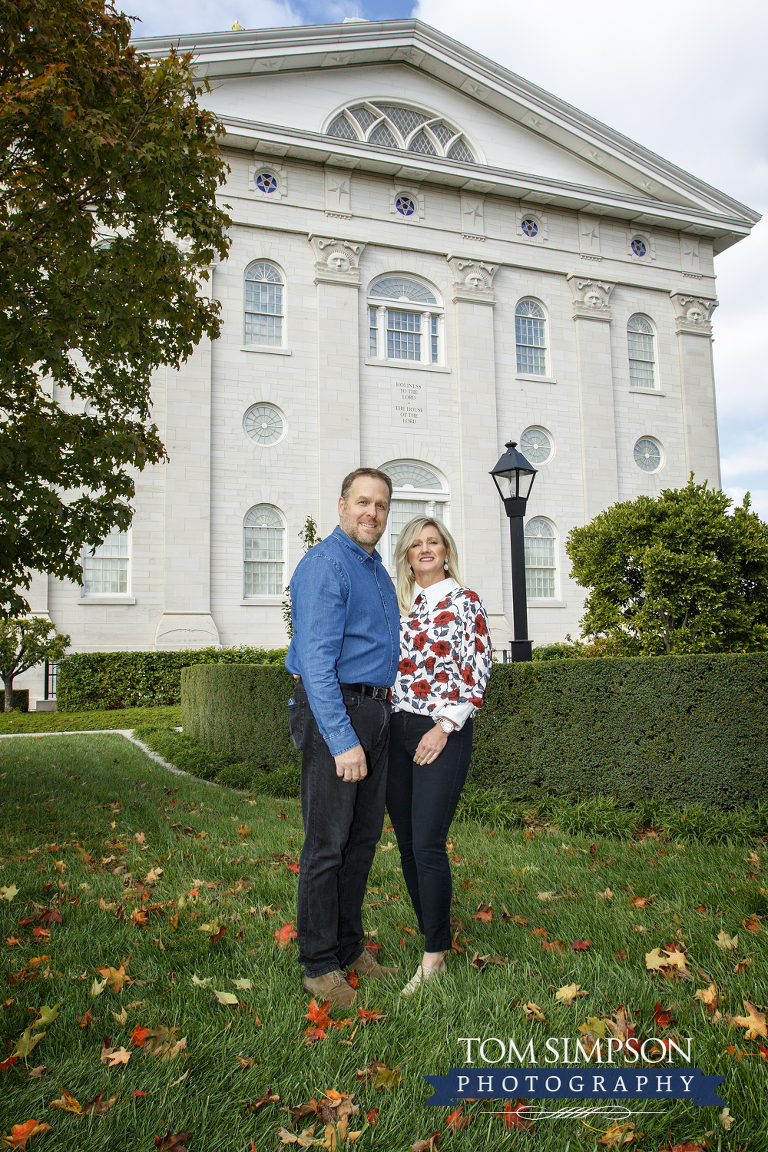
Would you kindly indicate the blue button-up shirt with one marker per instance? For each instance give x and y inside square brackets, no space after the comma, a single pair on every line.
[346,629]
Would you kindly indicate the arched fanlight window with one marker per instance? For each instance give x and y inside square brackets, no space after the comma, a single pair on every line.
[400,126]
[531,338]
[263,304]
[540,560]
[405,321]
[642,355]
[263,552]
[417,490]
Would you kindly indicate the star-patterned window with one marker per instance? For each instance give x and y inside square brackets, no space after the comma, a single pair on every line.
[402,127]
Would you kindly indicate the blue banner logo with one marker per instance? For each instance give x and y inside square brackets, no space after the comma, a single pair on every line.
[576,1084]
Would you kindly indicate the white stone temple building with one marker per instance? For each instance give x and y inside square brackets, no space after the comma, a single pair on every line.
[430,256]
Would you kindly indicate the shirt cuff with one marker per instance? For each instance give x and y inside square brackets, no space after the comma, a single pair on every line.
[342,740]
[458,713]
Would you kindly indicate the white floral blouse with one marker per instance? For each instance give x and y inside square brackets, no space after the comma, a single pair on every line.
[445,654]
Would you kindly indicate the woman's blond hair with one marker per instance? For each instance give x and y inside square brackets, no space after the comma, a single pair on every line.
[405,578]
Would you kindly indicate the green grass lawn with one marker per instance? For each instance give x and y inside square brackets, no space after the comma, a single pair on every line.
[147,868]
[87,721]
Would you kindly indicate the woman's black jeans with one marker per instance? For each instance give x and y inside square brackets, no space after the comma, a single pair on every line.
[421,801]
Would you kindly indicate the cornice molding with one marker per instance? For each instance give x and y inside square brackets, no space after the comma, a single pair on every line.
[222,54]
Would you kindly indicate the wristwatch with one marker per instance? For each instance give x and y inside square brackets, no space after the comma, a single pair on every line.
[447,725]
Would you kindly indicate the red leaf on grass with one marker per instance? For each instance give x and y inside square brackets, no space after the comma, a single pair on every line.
[172,1143]
[284,935]
[484,913]
[218,935]
[352,980]
[372,1116]
[370,1015]
[513,1117]
[293,868]
[581,945]
[373,946]
[9,1063]
[139,1035]
[456,1121]
[662,1016]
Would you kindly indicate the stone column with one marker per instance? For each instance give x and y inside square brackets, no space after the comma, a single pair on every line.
[599,466]
[186,621]
[697,385]
[337,277]
[475,507]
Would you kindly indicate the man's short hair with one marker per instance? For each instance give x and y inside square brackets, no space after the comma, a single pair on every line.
[376,473]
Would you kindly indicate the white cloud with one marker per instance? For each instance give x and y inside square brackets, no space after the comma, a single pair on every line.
[178,17]
[758,498]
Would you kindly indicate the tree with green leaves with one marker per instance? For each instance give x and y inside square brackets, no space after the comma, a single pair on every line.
[23,645]
[678,574]
[109,170]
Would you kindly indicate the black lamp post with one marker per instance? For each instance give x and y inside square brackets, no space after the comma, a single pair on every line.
[514,476]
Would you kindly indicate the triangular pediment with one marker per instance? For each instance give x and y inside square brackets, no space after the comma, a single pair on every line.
[279,91]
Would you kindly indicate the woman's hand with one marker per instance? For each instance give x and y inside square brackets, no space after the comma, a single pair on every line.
[430,746]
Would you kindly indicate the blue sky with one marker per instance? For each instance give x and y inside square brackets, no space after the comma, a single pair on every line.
[686,81]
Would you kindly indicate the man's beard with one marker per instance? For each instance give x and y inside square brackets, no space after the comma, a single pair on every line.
[351,530]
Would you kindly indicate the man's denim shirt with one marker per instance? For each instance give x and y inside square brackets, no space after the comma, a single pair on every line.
[346,629]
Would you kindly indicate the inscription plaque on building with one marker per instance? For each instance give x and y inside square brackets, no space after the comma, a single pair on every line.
[409,404]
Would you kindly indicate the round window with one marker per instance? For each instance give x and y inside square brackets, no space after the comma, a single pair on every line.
[535,445]
[648,455]
[266,182]
[405,205]
[264,424]
[529,227]
[639,246]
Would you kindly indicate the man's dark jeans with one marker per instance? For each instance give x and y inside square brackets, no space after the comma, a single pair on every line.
[342,826]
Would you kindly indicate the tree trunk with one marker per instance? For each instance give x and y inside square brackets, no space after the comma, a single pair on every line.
[8,681]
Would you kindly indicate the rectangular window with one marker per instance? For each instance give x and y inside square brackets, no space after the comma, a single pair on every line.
[105,570]
[434,340]
[531,348]
[264,561]
[403,335]
[640,360]
[263,313]
[373,345]
[540,568]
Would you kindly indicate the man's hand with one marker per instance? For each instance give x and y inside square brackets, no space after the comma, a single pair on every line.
[430,746]
[351,765]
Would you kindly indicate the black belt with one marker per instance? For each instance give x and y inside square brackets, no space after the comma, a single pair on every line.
[366,690]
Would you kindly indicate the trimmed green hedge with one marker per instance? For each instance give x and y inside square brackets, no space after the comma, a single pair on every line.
[684,729]
[98,680]
[240,710]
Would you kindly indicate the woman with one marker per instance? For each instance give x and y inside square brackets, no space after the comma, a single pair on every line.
[445,661]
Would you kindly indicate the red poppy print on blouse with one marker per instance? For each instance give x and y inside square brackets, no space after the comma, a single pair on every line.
[445,654]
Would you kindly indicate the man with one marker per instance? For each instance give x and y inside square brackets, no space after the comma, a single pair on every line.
[344,651]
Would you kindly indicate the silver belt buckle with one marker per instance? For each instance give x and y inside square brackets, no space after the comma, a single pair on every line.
[379,693]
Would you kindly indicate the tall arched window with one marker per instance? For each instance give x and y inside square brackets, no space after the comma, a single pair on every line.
[531,338]
[540,560]
[417,490]
[641,353]
[405,321]
[263,552]
[263,304]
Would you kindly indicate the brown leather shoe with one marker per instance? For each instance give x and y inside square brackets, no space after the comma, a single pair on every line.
[332,986]
[367,965]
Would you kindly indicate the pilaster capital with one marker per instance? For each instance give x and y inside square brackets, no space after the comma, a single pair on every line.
[693,314]
[472,279]
[336,261]
[591,298]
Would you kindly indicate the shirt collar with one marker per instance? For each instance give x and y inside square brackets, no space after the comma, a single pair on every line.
[361,553]
[435,593]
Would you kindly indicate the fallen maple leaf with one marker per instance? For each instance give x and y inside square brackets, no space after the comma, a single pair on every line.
[99,1105]
[20,1133]
[532,1011]
[725,941]
[428,1145]
[227,998]
[37,1073]
[484,913]
[607,895]
[115,977]
[754,1022]
[708,997]
[581,945]
[370,1015]
[568,993]
[513,1116]
[67,1103]
[639,902]
[618,1134]
[267,1097]
[456,1121]
[285,935]
[8,891]
[663,1016]
[379,1075]
[242,985]
[87,1018]
[726,1120]
[113,1056]
[171,1143]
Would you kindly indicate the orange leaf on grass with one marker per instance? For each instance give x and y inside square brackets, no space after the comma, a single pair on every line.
[370,1015]
[514,1116]
[293,868]
[456,1121]
[372,1116]
[9,1063]
[662,1016]
[172,1143]
[20,1133]
[484,913]
[284,935]
[139,1035]
[581,945]
[218,935]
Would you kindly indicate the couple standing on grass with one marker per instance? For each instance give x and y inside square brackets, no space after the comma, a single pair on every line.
[363,654]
